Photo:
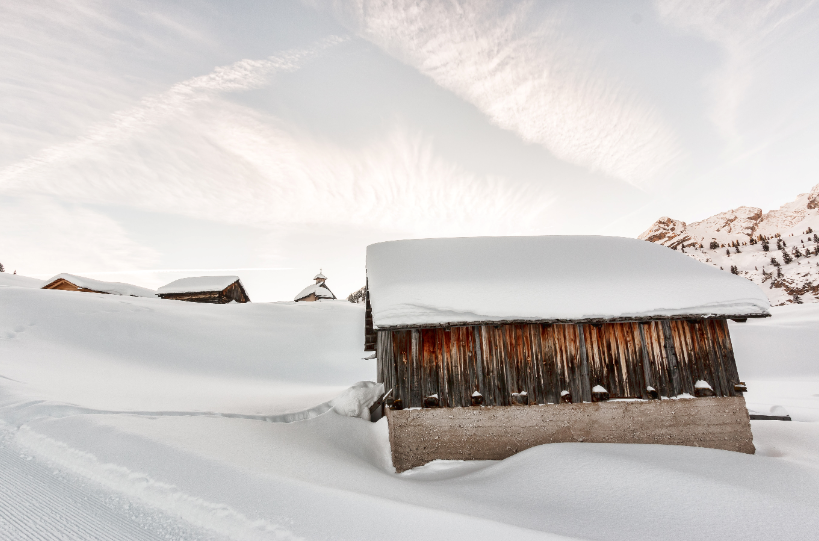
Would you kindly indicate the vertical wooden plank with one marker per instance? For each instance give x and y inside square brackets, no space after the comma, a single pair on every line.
[720,384]
[728,350]
[566,362]
[648,371]
[704,357]
[537,363]
[415,369]
[465,358]
[477,345]
[685,356]
[572,346]
[664,387]
[513,358]
[379,364]
[637,389]
[671,356]
[618,360]
[489,376]
[551,394]
[611,366]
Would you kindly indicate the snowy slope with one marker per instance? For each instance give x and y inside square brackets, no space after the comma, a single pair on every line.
[130,418]
[790,222]
[15,280]
[569,278]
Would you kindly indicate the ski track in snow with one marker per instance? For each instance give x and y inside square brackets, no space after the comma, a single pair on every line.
[42,503]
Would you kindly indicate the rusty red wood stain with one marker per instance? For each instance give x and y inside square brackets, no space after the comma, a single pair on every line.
[543,360]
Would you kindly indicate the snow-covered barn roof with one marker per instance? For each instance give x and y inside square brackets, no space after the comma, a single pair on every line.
[198,284]
[321,291]
[548,278]
[113,288]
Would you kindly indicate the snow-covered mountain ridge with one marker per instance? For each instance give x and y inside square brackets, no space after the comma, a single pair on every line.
[735,241]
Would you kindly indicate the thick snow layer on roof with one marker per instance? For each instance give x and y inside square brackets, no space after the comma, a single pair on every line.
[441,281]
[113,288]
[321,291]
[198,284]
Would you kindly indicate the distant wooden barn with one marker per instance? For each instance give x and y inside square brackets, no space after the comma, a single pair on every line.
[315,292]
[72,282]
[206,289]
[602,328]
[548,319]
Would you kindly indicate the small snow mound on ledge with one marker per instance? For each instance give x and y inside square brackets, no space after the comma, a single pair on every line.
[599,389]
[702,384]
[771,410]
[356,401]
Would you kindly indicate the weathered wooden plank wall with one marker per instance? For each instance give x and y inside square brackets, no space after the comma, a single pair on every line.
[543,360]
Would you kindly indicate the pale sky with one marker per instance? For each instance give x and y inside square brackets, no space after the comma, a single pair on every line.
[148,141]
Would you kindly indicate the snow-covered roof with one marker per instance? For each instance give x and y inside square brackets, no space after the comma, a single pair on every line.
[549,278]
[321,291]
[198,284]
[113,288]
[319,276]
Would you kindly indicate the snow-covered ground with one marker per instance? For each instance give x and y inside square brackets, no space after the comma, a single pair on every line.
[133,418]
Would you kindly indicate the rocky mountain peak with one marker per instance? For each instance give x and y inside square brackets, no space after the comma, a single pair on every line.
[753,244]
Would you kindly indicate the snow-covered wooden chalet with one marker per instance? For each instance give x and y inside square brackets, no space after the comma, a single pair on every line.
[72,282]
[316,292]
[503,321]
[551,316]
[207,289]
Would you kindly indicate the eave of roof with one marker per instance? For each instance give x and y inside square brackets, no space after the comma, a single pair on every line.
[589,321]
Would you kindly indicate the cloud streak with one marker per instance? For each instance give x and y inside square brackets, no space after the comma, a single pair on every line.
[743,30]
[153,110]
[531,78]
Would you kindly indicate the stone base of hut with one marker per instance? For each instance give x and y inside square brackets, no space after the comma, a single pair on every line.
[418,436]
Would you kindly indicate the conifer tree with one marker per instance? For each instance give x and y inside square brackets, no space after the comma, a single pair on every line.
[765,246]
[2,268]
[774,262]
[737,249]
[797,299]
[714,245]
[786,257]
[796,252]
[779,272]
[728,253]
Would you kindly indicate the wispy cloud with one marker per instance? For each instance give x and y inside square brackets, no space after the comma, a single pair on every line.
[153,110]
[221,161]
[743,30]
[527,73]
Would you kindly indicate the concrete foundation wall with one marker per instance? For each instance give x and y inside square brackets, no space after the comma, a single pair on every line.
[418,436]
